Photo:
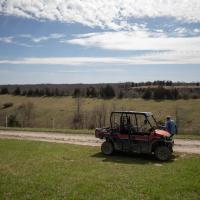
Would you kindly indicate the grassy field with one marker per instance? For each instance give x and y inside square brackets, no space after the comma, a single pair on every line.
[38,170]
[62,109]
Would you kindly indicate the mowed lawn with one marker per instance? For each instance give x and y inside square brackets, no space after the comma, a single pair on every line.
[39,170]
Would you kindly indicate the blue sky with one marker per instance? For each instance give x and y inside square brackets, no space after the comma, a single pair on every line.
[89,41]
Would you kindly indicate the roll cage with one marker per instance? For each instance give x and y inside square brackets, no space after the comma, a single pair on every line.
[130,120]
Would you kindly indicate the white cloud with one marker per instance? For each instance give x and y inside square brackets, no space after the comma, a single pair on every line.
[93,70]
[140,40]
[116,15]
[111,14]
[40,39]
[56,35]
[173,57]
[196,30]
[45,38]
[181,31]
[7,40]
[64,60]
[13,40]
[169,50]
[17,39]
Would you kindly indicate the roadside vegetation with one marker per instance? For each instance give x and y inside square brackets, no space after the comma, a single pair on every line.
[38,170]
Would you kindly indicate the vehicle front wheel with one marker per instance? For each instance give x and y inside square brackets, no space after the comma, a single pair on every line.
[163,153]
[107,148]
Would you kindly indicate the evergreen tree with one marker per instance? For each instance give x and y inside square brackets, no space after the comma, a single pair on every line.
[159,93]
[56,92]
[76,93]
[120,95]
[4,90]
[47,92]
[41,92]
[17,91]
[91,92]
[36,92]
[24,93]
[107,92]
[30,93]
[175,93]
[147,94]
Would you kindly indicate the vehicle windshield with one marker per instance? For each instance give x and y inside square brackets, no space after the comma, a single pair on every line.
[152,121]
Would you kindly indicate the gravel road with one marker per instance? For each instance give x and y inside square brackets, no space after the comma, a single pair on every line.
[181,145]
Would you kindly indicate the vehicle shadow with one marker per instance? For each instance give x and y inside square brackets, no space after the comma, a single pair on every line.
[130,158]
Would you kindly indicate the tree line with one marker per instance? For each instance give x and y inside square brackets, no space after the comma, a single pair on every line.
[91,92]
[147,90]
[161,93]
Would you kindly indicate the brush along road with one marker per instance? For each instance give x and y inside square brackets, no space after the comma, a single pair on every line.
[181,145]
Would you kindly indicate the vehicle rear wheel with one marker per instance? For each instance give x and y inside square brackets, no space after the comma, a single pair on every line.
[163,153]
[107,148]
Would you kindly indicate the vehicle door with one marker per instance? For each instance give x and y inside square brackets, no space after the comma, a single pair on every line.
[120,129]
[140,140]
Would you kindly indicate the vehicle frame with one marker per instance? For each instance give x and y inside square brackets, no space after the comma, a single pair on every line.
[130,138]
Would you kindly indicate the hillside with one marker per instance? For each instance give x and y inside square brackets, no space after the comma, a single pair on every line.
[61,112]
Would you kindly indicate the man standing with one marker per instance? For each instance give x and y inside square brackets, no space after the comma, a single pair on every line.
[170,126]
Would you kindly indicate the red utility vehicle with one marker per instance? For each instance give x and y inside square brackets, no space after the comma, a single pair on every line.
[137,132]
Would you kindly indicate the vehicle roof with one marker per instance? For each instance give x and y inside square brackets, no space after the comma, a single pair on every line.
[133,112]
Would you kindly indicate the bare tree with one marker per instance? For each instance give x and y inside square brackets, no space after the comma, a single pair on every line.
[25,114]
[86,120]
[97,117]
[101,115]
[77,120]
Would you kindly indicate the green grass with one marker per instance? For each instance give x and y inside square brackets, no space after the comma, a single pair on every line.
[62,109]
[38,170]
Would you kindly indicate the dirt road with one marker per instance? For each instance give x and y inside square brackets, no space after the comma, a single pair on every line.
[186,146]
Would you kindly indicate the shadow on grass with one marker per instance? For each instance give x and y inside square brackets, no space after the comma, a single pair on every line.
[130,158]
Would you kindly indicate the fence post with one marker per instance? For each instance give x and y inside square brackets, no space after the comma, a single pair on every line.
[6,121]
[53,123]
[177,117]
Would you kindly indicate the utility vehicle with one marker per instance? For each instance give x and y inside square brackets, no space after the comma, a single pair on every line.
[137,132]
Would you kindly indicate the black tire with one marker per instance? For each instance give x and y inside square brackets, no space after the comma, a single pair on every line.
[163,153]
[107,148]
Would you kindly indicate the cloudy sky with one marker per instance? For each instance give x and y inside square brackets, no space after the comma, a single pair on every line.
[92,41]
